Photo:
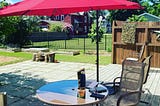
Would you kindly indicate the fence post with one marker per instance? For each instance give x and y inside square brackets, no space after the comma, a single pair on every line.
[105,42]
[65,43]
[84,44]
[48,39]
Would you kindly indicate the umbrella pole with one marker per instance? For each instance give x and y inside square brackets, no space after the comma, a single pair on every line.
[97,45]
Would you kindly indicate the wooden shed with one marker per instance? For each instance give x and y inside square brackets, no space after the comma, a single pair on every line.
[144,32]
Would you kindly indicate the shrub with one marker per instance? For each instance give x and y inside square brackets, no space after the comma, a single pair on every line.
[136,18]
[56,27]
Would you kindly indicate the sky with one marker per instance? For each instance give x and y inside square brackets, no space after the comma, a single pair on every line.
[12,1]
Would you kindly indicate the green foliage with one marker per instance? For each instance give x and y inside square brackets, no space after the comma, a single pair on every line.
[93,34]
[7,27]
[125,13]
[100,12]
[13,30]
[152,7]
[3,3]
[56,27]
[136,18]
[32,24]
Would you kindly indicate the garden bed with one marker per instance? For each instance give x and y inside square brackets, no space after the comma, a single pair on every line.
[68,52]
[36,50]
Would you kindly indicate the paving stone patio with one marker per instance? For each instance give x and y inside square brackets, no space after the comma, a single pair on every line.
[21,80]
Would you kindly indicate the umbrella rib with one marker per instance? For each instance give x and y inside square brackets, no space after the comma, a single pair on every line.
[25,12]
[54,11]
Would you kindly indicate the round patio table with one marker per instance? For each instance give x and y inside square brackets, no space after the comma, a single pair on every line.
[64,92]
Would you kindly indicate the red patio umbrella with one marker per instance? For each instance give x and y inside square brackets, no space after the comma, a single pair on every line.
[57,7]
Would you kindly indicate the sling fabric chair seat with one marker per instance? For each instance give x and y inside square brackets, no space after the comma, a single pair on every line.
[130,88]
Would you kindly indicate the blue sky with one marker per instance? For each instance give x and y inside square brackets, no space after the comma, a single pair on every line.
[12,1]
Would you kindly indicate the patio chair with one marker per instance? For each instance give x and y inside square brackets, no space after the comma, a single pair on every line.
[3,99]
[139,54]
[130,86]
[147,62]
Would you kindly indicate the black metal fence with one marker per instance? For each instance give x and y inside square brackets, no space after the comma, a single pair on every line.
[79,42]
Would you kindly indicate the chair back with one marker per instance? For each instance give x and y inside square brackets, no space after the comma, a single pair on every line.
[147,61]
[132,79]
[141,51]
[3,99]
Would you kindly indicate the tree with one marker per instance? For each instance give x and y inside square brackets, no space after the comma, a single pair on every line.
[24,27]
[15,29]
[124,14]
[152,7]
[100,12]
[93,33]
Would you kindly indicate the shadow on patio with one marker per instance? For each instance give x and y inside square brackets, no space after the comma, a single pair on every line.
[20,89]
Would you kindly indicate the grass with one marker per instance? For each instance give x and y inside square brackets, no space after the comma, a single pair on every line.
[23,56]
[82,58]
[72,44]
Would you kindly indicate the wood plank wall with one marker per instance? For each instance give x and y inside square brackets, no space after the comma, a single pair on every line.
[144,33]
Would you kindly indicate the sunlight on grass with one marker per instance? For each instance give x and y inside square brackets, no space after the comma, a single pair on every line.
[104,60]
[82,58]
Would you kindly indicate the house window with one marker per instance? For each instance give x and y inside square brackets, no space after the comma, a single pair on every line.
[62,17]
[57,17]
[85,19]
[85,29]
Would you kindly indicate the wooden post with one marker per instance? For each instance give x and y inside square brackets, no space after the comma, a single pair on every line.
[51,57]
[113,48]
[34,56]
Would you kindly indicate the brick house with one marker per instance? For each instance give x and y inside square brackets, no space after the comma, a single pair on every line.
[81,22]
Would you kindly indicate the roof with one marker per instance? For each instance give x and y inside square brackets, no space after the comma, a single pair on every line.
[81,14]
[65,24]
[150,17]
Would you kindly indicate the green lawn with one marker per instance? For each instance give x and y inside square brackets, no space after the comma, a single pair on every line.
[104,60]
[21,56]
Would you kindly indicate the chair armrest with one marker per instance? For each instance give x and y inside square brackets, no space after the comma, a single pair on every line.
[112,86]
[112,83]
[127,94]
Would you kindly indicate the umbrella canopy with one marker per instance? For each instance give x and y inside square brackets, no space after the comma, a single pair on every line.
[57,7]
